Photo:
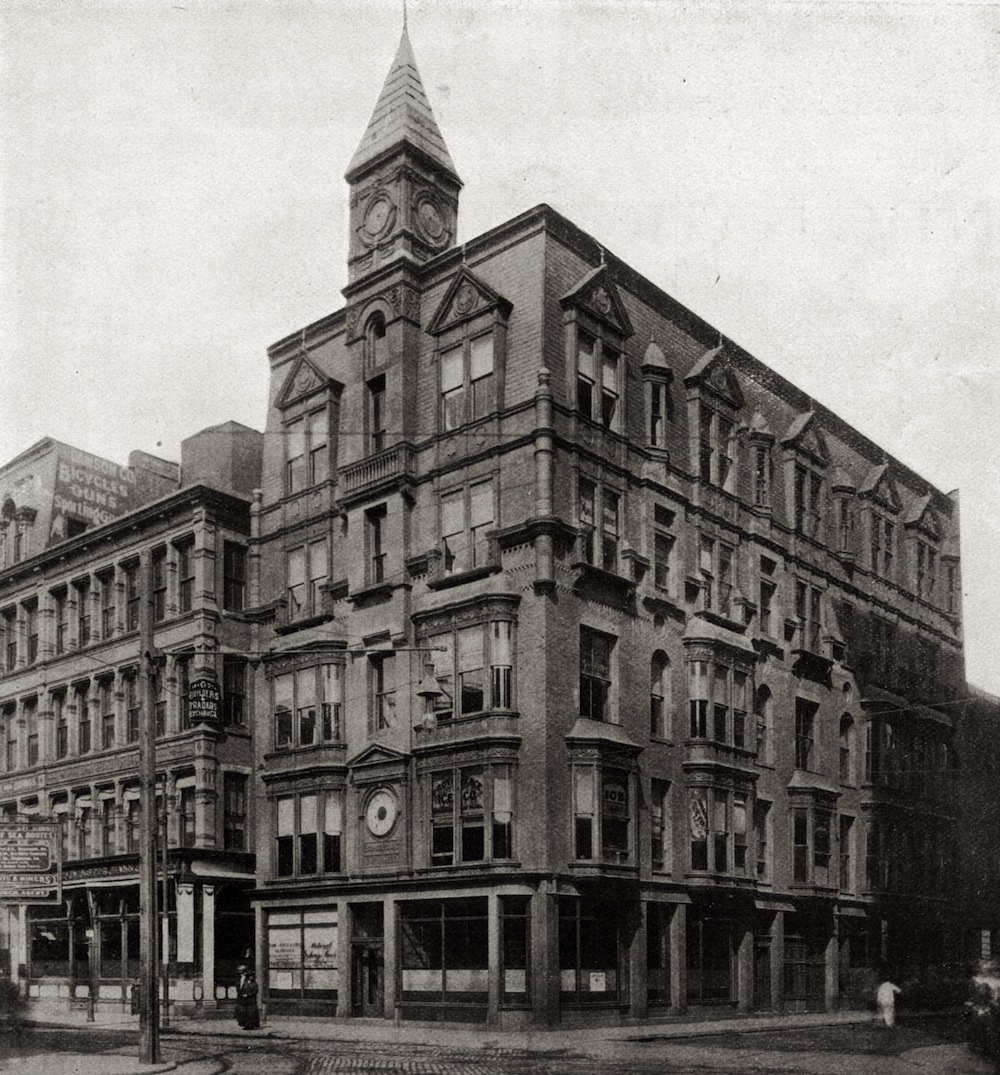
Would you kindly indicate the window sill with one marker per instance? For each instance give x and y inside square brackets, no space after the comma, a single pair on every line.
[459,578]
[469,867]
[303,622]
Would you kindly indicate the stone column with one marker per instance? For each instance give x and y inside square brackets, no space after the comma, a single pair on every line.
[344,983]
[832,976]
[638,983]
[678,959]
[208,942]
[493,987]
[390,956]
[545,954]
[778,961]
[744,960]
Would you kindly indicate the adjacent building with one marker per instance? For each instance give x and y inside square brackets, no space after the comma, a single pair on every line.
[76,529]
[604,672]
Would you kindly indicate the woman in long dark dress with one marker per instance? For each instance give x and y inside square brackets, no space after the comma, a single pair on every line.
[247,1012]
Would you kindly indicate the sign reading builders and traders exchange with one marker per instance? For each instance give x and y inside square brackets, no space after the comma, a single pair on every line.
[204,698]
[30,866]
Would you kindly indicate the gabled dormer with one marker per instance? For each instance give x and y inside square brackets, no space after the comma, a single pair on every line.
[714,400]
[596,328]
[879,493]
[470,331]
[309,404]
[806,459]
[923,533]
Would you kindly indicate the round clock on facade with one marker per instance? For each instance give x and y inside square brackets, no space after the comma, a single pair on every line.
[377,215]
[381,813]
[430,219]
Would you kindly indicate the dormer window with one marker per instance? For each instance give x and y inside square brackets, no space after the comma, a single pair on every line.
[467,381]
[597,379]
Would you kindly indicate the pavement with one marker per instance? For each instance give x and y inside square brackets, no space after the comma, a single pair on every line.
[673,1040]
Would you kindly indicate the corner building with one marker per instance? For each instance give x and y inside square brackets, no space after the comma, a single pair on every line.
[601,665]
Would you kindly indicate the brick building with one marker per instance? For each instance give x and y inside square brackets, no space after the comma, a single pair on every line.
[605,673]
[70,707]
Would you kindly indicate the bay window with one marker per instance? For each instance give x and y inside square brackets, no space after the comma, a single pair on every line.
[307,706]
[727,689]
[719,825]
[602,813]
[471,811]
[811,845]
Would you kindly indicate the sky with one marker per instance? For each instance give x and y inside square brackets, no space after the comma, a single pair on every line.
[817,180]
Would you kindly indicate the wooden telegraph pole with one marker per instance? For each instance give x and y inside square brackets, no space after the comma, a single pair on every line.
[149,1016]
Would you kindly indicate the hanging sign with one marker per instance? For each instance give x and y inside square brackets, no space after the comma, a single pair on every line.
[30,868]
[204,699]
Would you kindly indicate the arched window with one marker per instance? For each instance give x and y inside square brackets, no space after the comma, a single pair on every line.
[764,719]
[375,346]
[659,696]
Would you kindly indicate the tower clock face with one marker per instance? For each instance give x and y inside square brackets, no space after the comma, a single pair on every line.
[378,215]
[381,813]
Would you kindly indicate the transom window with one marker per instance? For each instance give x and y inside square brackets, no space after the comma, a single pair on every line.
[715,447]
[307,572]
[308,706]
[807,501]
[882,546]
[466,518]
[307,454]
[598,364]
[596,650]
[599,547]
[467,381]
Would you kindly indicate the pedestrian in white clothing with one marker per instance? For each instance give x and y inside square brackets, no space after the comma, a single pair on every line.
[886,999]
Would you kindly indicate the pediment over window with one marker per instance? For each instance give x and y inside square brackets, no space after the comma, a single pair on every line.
[303,380]
[713,372]
[597,294]
[467,297]
[758,429]
[880,487]
[841,481]
[378,754]
[805,437]
[922,517]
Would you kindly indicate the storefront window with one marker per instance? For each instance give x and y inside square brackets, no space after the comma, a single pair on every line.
[444,958]
[515,940]
[302,956]
[588,952]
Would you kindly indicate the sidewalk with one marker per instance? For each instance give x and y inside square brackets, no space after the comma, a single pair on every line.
[676,1041]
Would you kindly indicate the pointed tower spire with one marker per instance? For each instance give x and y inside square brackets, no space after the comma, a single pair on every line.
[402,114]
[404,187]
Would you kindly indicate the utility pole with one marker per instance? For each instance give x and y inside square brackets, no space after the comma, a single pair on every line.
[149,1016]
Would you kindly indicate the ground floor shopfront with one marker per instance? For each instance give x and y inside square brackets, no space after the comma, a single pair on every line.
[556,953]
[85,949]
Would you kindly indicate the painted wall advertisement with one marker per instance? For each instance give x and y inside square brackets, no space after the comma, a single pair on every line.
[89,488]
[30,869]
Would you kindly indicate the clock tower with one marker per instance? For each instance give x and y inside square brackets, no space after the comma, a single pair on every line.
[404,187]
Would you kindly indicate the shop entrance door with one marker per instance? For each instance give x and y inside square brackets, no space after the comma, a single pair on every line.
[367,960]
[367,978]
